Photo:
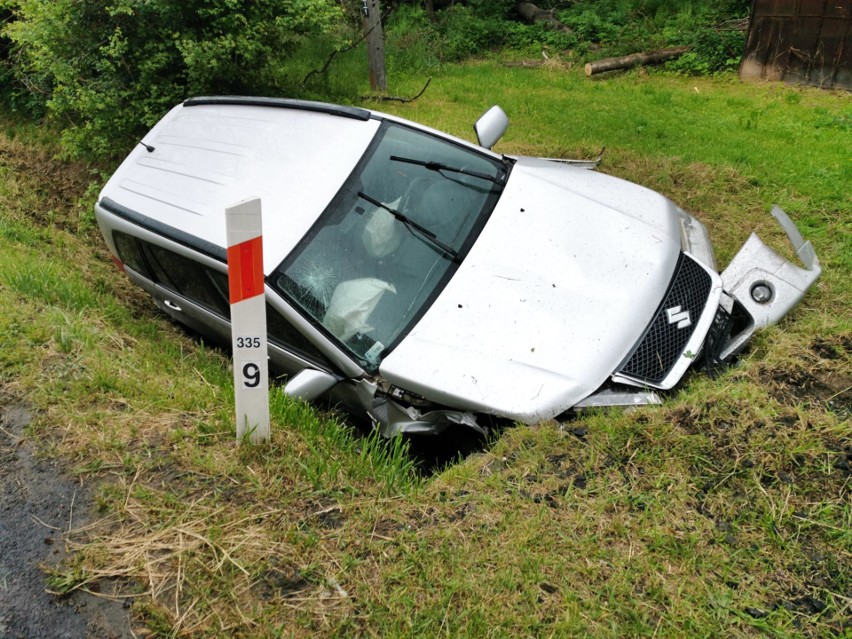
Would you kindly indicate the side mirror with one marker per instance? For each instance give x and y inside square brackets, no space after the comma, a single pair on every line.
[491,126]
[309,384]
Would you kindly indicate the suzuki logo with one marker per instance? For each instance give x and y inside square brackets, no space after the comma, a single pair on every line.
[679,317]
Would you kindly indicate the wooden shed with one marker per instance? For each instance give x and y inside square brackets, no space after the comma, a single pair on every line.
[800,41]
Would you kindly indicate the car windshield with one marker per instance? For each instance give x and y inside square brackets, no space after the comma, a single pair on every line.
[391,238]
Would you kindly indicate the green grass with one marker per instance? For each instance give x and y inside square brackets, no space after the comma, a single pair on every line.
[724,512]
[775,135]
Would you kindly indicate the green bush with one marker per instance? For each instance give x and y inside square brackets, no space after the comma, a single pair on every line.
[410,42]
[712,51]
[109,69]
[467,33]
[610,27]
[499,9]
[481,27]
[598,24]
[626,26]
[26,100]
[532,37]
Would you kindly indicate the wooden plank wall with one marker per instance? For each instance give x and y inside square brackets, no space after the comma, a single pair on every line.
[800,41]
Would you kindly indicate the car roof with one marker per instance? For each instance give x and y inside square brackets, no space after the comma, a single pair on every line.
[209,153]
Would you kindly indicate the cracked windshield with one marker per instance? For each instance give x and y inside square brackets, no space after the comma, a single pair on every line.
[391,238]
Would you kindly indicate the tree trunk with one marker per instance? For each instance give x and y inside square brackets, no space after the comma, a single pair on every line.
[430,10]
[532,13]
[628,61]
[372,14]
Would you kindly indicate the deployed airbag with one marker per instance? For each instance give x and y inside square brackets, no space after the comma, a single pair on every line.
[351,305]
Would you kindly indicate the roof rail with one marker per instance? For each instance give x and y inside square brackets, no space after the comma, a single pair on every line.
[282,103]
[176,235]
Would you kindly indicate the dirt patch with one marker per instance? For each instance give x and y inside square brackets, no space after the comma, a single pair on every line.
[39,502]
[828,382]
[59,184]
[832,390]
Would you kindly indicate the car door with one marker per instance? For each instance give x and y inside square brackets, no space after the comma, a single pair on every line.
[193,289]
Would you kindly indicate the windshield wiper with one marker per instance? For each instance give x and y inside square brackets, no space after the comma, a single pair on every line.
[439,167]
[415,228]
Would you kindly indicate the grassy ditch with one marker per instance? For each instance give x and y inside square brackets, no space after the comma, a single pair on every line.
[724,512]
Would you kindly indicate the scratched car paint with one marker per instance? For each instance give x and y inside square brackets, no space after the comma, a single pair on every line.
[427,282]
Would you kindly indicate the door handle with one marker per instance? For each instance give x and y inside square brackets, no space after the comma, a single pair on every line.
[170,304]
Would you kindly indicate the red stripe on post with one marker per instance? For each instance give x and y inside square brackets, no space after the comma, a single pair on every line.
[245,270]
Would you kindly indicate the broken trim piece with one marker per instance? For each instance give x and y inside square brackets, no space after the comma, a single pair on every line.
[610,398]
[581,164]
[767,285]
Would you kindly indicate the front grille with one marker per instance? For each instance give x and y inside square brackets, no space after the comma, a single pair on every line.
[667,335]
[716,340]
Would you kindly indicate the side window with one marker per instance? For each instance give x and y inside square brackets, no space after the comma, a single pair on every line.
[130,253]
[206,287]
[189,278]
[280,332]
[285,335]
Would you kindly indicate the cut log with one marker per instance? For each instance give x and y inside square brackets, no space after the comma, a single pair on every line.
[532,13]
[635,59]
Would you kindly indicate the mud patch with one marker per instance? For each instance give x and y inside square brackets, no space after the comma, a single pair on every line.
[38,504]
[831,389]
[282,580]
[823,378]
[59,184]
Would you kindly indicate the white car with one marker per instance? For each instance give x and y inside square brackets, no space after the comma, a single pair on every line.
[427,282]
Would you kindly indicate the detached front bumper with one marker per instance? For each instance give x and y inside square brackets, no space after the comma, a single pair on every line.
[764,284]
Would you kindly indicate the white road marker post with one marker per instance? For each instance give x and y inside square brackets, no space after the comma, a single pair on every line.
[248,319]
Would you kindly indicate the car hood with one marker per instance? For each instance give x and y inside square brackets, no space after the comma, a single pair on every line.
[552,297]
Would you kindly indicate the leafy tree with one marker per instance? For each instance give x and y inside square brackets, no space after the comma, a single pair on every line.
[109,69]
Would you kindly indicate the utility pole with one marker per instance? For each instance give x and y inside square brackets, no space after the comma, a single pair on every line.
[372,15]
